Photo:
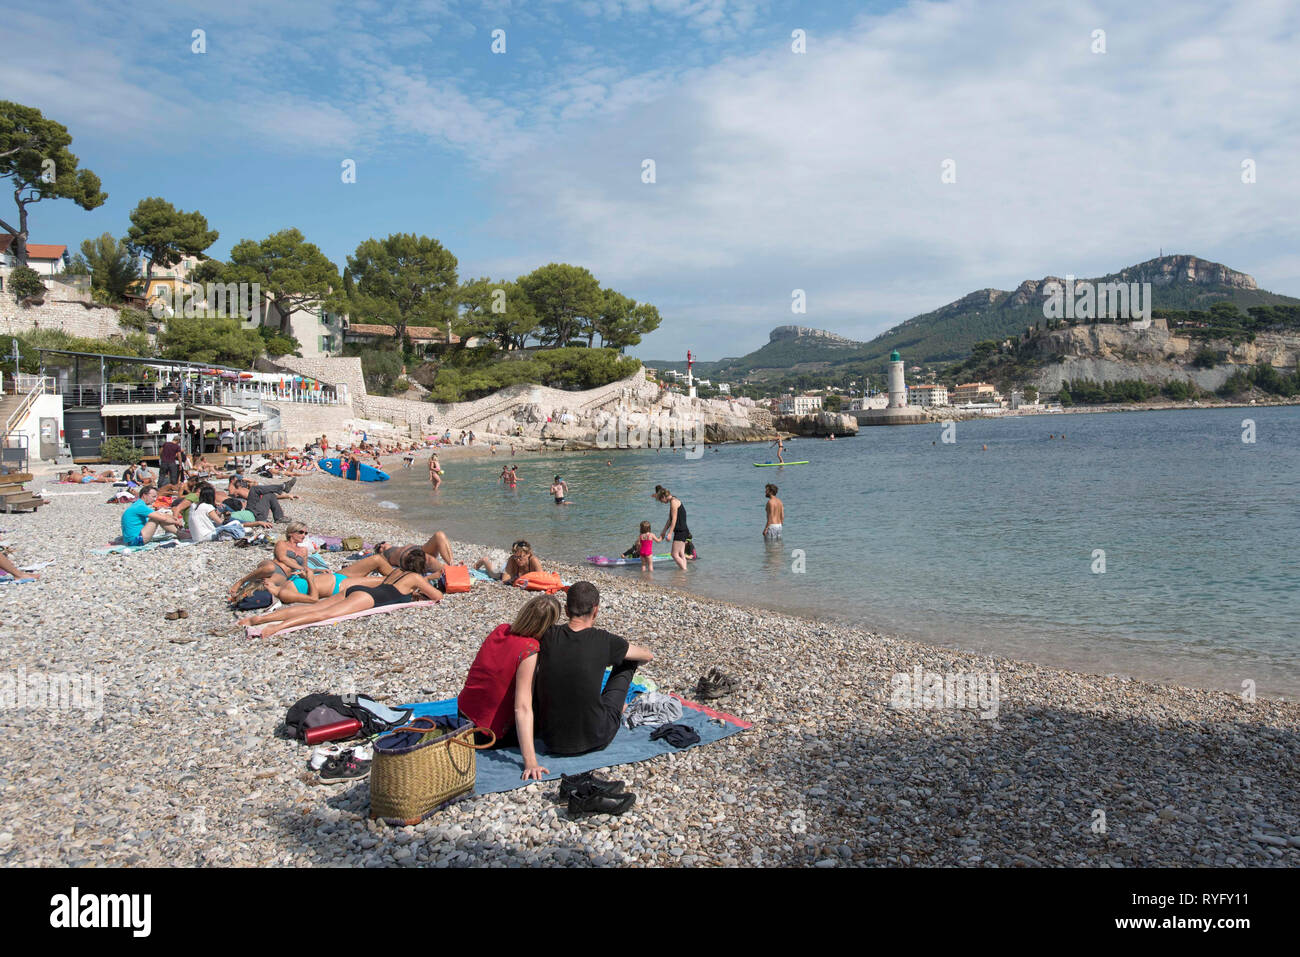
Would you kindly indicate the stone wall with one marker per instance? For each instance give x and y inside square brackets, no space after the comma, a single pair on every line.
[303,422]
[339,370]
[61,310]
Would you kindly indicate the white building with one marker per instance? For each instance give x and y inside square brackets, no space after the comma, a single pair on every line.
[42,257]
[863,403]
[320,333]
[799,404]
[930,395]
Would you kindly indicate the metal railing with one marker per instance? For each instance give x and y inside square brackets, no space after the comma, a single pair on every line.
[37,388]
[271,391]
[23,383]
[242,396]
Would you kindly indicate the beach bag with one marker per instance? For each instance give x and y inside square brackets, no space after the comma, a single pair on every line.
[457,579]
[258,598]
[423,767]
[351,544]
[548,582]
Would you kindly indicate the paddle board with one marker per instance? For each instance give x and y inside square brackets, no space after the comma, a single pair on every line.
[606,561]
[368,472]
[774,465]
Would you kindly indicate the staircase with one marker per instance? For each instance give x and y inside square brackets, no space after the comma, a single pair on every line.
[14,497]
[9,404]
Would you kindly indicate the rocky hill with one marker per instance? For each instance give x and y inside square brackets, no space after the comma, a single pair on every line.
[949,332]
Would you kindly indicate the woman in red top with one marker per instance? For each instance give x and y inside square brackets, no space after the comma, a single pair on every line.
[498,692]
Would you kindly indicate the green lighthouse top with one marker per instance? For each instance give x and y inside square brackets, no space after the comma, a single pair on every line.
[895,357]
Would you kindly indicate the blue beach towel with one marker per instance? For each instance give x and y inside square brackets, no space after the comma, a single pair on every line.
[499,770]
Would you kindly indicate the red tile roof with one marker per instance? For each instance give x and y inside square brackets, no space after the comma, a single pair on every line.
[34,250]
[44,251]
[417,333]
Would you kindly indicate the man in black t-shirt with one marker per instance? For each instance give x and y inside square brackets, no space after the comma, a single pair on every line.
[573,715]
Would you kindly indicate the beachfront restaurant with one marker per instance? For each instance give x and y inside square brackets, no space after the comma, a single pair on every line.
[144,400]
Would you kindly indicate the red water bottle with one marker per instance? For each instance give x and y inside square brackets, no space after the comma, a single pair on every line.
[338,731]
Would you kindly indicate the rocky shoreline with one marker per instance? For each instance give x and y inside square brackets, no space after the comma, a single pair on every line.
[184,767]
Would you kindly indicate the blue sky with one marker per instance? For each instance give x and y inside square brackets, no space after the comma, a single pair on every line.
[775,170]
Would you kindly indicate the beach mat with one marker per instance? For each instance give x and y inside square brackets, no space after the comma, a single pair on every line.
[498,770]
[146,547]
[383,609]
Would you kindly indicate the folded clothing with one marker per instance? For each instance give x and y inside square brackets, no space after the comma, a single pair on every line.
[678,735]
[652,708]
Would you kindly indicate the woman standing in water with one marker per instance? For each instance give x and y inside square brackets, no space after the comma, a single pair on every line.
[680,531]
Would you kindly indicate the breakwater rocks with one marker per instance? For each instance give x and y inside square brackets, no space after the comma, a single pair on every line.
[817,424]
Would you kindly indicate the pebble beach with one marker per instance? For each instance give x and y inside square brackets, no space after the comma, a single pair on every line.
[185,766]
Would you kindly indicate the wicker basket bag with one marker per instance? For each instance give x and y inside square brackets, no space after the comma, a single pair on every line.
[412,777]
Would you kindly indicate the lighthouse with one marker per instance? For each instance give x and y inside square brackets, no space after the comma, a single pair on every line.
[897,384]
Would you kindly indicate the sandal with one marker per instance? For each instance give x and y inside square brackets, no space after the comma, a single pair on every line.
[173,616]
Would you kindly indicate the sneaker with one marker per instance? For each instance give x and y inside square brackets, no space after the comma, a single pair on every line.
[570,783]
[587,800]
[342,769]
[322,754]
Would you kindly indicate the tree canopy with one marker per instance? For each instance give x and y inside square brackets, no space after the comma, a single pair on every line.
[293,273]
[495,310]
[34,157]
[165,235]
[566,300]
[111,265]
[202,339]
[403,280]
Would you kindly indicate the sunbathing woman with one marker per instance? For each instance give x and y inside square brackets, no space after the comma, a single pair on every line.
[498,692]
[522,561]
[399,587]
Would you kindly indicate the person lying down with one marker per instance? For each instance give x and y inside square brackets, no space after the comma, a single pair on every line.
[400,586]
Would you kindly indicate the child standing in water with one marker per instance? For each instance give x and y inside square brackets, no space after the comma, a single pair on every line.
[647,539]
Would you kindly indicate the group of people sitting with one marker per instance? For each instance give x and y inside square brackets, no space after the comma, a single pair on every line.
[210,513]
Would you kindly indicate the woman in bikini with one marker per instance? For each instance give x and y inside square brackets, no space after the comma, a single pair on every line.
[401,586]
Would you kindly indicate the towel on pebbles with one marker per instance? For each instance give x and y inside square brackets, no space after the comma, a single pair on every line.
[653,708]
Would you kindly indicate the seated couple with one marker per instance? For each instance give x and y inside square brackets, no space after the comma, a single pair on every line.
[558,666]
[404,584]
[522,561]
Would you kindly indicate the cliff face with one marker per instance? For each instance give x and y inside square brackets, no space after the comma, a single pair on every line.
[1117,351]
[797,332]
[1193,270]
[817,423]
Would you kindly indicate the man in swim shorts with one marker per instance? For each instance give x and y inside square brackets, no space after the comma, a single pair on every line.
[559,490]
[140,521]
[775,513]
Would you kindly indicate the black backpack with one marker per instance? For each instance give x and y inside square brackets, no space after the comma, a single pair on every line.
[300,718]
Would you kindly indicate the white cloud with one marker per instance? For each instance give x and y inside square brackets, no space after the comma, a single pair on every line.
[823,171]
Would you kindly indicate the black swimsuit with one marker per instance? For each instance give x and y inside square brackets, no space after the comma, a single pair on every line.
[680,531]
[385,593]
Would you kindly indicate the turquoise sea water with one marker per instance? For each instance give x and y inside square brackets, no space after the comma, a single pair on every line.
[949,543]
